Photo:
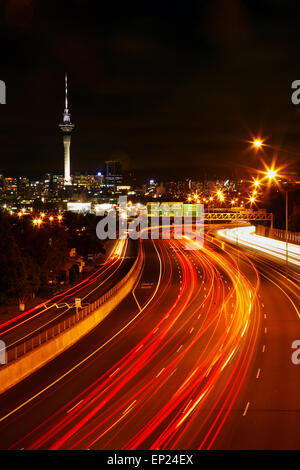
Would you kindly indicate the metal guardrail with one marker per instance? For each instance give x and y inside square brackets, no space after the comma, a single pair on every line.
[279,234]
[292,237]
[20,349]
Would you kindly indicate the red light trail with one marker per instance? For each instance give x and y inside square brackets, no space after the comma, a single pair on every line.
[175,387]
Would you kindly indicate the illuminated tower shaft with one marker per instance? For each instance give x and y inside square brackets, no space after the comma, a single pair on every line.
[67,174]
[66,127]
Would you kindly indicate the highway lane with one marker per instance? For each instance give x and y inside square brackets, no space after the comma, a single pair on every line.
[270,248]
[266,415]
[39,396]
[162,371]
[199,356]
[25,325]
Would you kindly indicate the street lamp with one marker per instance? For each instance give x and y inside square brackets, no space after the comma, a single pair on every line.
[271,174]
[252,200]
[257,143]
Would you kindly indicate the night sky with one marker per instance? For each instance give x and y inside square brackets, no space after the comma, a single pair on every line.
[171,88]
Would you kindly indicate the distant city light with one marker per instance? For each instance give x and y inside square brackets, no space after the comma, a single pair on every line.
[37,222]
[79,206]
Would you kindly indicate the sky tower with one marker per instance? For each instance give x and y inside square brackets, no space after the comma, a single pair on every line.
[66,127]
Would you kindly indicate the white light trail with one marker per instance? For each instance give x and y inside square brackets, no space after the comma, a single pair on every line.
[245,236]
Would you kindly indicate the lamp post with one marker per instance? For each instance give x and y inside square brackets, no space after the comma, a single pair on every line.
[286,229]
[271,174]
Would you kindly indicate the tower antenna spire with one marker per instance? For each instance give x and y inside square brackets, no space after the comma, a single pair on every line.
[66,92]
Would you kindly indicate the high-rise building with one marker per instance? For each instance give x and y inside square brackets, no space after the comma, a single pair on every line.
[66,127]
[1,181]
[11,185]
[113,173]
[89,181]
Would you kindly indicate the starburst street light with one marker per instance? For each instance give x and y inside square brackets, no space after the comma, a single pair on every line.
[257,143]
[271,174]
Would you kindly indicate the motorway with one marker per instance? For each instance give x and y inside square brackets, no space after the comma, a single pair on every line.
[270,402]
[198,356]
[25,325]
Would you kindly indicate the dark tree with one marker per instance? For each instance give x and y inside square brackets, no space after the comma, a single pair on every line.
[13,275]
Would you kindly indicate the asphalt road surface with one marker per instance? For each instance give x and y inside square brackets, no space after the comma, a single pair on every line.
[198,356]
